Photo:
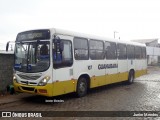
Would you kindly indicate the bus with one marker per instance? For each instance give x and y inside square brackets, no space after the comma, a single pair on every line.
[52,62]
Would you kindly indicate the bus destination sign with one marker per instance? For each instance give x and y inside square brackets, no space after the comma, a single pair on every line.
[34,35]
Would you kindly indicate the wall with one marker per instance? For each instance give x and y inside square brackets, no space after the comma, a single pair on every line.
[153,53]
[6,70]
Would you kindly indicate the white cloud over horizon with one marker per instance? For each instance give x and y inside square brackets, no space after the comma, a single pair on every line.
[133,19]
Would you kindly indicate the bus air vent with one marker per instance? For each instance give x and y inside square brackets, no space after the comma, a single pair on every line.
[28,88]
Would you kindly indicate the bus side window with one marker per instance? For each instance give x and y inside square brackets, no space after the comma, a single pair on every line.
[138,52]
[96,49]
[122,51]
[130,52]
[111,50]
[81,48]
[144,52]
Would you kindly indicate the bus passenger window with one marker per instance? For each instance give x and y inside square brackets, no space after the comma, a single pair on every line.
[143,52]
[138,52]
[81,49]
[111,50]
[130,51]
[121,51]
[96,50]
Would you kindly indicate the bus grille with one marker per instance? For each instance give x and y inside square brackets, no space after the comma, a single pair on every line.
[28,88]
[28,83]
[29,77]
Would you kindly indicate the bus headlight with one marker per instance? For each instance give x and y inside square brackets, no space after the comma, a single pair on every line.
[15,79]
[44,81]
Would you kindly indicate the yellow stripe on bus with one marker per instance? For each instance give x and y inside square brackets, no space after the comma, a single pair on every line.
[68,86]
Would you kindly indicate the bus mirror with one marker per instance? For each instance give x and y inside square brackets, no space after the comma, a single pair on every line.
[61,46]
[58,43]
[7,45]
[56,39]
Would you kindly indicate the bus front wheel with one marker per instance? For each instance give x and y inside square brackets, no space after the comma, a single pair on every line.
[81,87]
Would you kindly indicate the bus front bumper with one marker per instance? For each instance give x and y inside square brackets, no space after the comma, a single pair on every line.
[39,90]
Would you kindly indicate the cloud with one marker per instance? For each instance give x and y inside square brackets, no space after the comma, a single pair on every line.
[133,19]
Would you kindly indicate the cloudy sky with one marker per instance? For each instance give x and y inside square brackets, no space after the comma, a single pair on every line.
[132,19]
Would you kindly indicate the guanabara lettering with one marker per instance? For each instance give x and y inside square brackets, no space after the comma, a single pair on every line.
[107,66]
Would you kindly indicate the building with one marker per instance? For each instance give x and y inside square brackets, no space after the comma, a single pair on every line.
[153,50]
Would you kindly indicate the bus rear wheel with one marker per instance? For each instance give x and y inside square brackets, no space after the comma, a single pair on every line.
[131,77]
[81,87]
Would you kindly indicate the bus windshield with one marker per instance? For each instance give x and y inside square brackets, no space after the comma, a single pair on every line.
[32,56]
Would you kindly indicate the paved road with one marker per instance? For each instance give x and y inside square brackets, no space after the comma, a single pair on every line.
[143,95]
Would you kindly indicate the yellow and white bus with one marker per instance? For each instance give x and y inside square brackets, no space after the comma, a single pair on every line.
[53,62]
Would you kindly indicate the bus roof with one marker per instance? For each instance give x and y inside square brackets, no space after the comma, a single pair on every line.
[89,36]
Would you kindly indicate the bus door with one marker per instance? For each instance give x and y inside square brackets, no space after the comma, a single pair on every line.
[62,65]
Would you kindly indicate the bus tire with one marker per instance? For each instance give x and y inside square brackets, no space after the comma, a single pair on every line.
[131,77]
[81,87]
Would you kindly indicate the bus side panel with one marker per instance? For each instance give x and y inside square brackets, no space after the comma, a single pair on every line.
[81,67]
[93,68]
[131,64]
[144,66]
[98,73]
[108,78]
[64,87]
[98,81]
[111,73]
[141,67]
[63,81]
[138,68]
[122,70]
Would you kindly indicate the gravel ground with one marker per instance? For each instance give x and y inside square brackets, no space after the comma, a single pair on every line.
[143,95]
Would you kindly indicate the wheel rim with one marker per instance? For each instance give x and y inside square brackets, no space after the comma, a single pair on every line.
[82,87]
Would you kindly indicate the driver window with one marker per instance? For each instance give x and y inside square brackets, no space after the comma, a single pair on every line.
[44,50]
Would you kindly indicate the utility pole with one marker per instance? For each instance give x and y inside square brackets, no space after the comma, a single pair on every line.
[114,33]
